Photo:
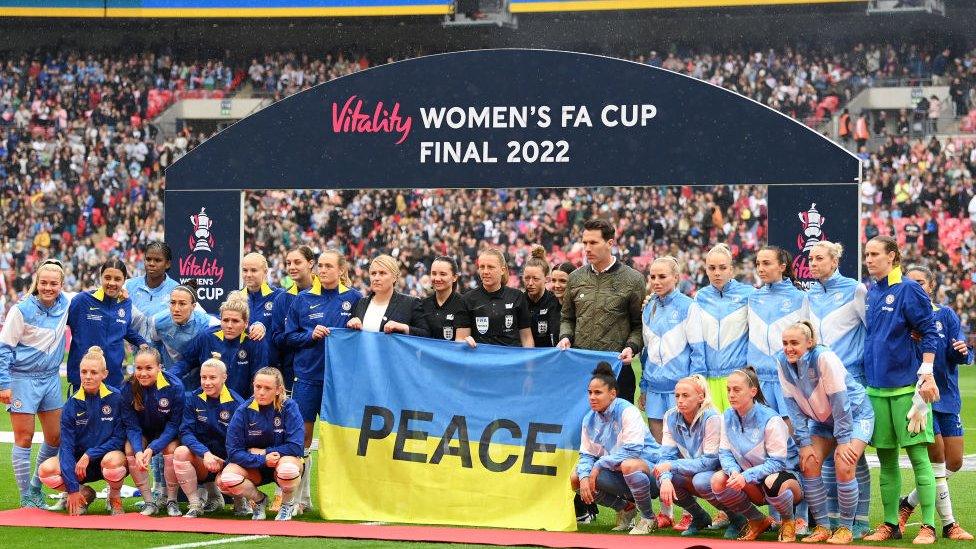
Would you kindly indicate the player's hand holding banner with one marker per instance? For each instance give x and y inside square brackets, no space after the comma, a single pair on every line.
[433,432]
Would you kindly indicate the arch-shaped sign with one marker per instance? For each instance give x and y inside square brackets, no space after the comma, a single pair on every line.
[506,118]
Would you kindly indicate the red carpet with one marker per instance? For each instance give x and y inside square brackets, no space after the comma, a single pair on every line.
[135,521]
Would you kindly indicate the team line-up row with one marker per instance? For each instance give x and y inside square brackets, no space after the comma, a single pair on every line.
[864,368]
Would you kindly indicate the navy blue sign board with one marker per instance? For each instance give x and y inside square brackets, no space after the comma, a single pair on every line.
[507,118]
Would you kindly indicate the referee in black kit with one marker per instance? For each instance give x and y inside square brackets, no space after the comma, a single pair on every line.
[493,313]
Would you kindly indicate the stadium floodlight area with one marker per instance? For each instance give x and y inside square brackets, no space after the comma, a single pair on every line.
[906,6]
[507,119]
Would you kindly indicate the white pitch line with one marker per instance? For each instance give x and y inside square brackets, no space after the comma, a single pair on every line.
[238,539]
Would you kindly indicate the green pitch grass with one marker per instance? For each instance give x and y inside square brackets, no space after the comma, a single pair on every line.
[963,487]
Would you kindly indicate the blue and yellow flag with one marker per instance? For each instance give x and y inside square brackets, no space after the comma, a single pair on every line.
[433,432]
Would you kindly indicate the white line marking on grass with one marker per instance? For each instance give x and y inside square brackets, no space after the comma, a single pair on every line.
[238,539]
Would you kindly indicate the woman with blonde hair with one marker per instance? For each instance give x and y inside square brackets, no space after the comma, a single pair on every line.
[32,345]
[385,309]
[689,453]
[203,436]
[831,415]
[494,313]
[264,445]
[92,439]
[242,355]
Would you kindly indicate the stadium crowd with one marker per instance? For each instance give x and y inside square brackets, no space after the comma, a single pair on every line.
[81,168]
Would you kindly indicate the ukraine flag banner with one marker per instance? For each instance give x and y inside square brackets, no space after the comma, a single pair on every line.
[426,431]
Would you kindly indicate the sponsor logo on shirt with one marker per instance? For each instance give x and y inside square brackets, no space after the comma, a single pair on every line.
[310,307]
[314,316]
[509,320]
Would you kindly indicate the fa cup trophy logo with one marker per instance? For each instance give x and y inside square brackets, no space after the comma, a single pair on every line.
[812,229]
[201,240]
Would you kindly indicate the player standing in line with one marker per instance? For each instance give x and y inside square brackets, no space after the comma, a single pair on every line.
[440,309]
[32,345]
[946,452]
[544,308]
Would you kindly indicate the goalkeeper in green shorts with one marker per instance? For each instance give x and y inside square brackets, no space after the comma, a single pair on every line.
[900,388]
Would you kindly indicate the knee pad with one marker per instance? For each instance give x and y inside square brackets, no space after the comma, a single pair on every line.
[230,482]
[182,466]
[53,482]
[114,474]
[288,471]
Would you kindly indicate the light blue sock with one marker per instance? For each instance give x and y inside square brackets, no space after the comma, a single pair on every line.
[815,494]
[20,458]
[43,455]
[862,473]
[159,482]
[847,500]
[829,475]
[802,510]
[783,503]
[736,501]
[640,488]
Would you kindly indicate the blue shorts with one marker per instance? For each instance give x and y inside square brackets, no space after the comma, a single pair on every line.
[774,397]
[308,396]
[35,394]
[93,473]
[657,404]
[947,425]
[862,430]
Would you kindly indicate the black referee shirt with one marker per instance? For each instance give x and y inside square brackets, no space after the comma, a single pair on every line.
[494,318]
[544,319]
[442,319]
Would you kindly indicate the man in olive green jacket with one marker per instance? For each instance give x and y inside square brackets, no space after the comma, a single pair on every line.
[602,305]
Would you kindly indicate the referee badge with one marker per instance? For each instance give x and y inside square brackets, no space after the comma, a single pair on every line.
[509,320]
[448,332]
[543,326]
[481,322]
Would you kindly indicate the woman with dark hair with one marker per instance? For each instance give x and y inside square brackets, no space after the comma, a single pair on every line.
[299,263]
[173,330]
[152,409]
[150,293]
[617,454]
[898,386]
[441,308]
[758,460]
[102,318]
[560,279]
[777,304]
[947,451]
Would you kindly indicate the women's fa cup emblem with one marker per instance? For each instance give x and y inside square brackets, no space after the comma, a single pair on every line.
[812,228]
[201,240]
